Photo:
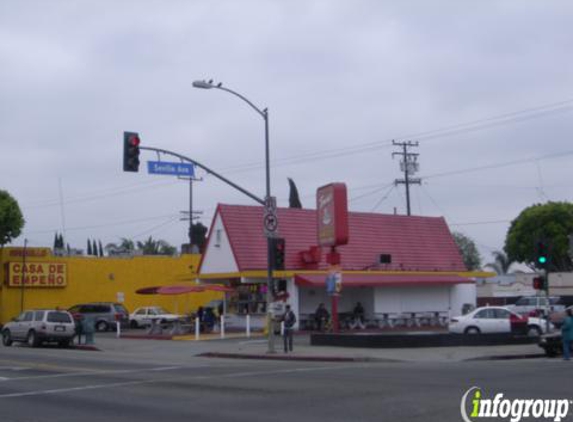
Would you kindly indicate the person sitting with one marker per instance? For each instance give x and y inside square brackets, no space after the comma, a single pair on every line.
[358,316]
[321,317]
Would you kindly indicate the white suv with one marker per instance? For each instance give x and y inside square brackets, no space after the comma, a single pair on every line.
[37,326]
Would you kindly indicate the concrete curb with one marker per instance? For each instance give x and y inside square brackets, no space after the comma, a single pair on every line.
[507,357]
[88,347]
[287,357]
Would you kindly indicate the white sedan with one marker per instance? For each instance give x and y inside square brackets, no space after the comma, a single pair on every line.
[497,319]
[145,316]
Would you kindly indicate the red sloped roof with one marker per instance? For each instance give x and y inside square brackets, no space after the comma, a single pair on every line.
[415,243]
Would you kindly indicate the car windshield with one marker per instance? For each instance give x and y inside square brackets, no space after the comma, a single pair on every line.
[59,317]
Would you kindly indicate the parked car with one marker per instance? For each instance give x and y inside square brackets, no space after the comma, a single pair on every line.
[552,344]
[558,317]
[144,316]
[104,314]
[497,319]
[38,326]
[529,305]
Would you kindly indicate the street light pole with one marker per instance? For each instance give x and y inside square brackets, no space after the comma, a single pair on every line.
[265,115]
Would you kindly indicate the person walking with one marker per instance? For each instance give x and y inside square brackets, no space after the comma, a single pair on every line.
[289,320]
[567,334]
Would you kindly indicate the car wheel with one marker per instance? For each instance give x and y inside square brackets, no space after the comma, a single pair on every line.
[550,352]
[33,340]
[101,326]
[472,330]
[533,331]
[6,338]
[133,324]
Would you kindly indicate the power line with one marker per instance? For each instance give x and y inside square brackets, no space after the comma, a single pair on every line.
[471,126]
[98,226]
[499,165]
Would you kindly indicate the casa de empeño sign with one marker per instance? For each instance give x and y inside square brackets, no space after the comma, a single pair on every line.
[37,274]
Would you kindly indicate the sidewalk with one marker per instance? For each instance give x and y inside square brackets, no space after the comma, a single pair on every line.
[241,347]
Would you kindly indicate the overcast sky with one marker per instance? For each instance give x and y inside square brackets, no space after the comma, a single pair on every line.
[485,87]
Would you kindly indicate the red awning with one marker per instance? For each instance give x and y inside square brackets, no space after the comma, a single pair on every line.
[147,290]
[182,289]
[381,280]
[178,290]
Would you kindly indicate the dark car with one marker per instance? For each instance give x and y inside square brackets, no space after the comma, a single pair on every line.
[552,344]
[105,315]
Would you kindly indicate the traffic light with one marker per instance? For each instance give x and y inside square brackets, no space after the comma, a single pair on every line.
[131,143]
[278,253]
[539,283]
[541,254]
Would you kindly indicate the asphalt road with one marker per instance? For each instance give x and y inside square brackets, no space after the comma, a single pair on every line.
[55,385]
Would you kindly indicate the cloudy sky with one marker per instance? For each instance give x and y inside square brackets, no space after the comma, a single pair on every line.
[485,87]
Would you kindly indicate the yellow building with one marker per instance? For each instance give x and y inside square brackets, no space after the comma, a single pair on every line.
[54,281]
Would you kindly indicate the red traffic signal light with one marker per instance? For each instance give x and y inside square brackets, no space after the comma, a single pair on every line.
[539,283]
[278,253]
[131,143]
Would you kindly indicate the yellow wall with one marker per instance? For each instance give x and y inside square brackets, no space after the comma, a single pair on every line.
[92,279]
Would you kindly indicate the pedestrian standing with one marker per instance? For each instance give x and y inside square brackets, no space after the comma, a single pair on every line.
[289,320]
[567,334]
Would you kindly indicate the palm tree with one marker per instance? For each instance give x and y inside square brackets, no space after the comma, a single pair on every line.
[156,247]
[125,246]
[500,264]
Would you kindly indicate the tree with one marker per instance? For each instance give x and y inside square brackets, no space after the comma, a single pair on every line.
[551,223]
[89,252]
[100,249]
[125,246]
[156,247]
[500,264]
[11,220]
[293,199]
[199,233]
[468,250]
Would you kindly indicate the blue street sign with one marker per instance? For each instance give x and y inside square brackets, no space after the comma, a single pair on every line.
[172,169]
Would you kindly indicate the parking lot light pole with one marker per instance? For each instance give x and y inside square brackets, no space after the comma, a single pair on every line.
[265,115]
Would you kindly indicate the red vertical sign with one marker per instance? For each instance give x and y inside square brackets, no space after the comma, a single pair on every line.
[332,215]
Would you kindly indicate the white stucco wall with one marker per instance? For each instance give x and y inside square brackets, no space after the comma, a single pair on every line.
[412,299]
[218,256]
[461,294]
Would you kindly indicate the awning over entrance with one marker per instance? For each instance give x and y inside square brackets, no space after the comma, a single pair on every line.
[382,280]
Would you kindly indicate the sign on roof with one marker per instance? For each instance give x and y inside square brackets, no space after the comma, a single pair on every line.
[332,215]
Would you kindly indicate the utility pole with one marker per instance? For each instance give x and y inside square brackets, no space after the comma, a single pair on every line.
[409,165]
[189,215]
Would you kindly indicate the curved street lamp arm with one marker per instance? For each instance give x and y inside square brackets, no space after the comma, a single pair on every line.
[263,113]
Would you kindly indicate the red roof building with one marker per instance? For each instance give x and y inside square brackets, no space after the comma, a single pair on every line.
[422,252]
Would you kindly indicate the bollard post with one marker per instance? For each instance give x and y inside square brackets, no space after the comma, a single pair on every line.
[222,326]
[248,326]
[118,329]
[197,328]
[282,328]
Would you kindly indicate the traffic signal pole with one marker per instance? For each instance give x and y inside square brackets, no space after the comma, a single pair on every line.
[208,170]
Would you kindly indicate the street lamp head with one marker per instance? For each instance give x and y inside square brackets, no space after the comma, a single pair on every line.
[202,84]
